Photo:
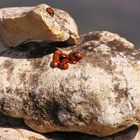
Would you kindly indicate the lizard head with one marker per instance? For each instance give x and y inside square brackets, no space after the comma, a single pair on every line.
[59,25]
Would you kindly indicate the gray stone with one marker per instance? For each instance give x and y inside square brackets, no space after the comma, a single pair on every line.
[98,96]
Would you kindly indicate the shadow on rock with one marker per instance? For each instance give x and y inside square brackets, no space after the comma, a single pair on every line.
[15,123]
[33,49]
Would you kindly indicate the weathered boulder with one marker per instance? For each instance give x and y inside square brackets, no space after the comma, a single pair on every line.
[99,95]
[20,24]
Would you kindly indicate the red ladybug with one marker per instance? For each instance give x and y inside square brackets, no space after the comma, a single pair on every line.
[78,55]
[56,56]
[50,10]
[65,60]
[73,61]
[59,52]
[55,63]
[64,66]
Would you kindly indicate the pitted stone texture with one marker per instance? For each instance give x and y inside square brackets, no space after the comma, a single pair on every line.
[21,24]
[99,95]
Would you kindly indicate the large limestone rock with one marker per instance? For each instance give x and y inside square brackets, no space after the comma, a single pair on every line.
[98,96]
[22,24]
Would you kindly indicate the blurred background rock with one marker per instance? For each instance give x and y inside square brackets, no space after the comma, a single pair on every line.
[120,16]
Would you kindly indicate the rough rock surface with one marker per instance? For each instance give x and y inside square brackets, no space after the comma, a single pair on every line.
[99,96]
[22,24]
[19,134]
[15,129]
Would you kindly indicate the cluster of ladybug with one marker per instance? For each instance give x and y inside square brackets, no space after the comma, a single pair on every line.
[62,60]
